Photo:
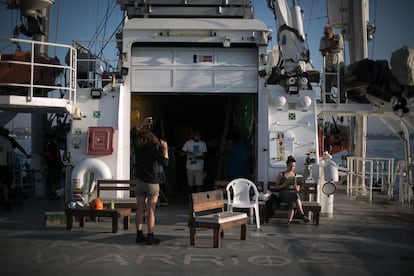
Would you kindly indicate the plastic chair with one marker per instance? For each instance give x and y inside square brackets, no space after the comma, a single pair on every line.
[238,196]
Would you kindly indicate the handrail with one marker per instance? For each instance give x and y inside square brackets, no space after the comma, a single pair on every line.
[338,81]
[372,169]
[404,175]
[35,65]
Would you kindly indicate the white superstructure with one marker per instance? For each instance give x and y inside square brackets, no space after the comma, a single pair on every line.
[177,53]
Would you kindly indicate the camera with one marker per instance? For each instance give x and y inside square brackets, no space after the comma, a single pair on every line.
[148,120]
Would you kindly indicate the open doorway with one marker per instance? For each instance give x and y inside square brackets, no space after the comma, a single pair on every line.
[227,123]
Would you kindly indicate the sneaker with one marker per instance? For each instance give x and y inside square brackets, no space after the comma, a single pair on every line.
[151,240]
[140,238]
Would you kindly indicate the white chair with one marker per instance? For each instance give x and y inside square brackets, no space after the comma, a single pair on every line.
[238,196]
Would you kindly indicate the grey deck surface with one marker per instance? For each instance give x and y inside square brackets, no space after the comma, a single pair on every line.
[360,239]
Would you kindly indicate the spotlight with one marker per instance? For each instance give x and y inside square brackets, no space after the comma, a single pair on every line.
[124,71]
[226,42]
[96,93]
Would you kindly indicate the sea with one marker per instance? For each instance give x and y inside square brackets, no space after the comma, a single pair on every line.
[389,147]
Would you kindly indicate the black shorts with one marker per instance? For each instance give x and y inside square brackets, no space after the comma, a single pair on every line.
[289,197]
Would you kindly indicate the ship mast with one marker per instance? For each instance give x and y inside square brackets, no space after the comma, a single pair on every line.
[35,24]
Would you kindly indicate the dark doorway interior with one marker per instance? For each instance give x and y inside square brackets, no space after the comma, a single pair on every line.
[222,119]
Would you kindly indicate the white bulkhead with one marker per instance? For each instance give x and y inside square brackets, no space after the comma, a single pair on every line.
[198,56]
[287,125]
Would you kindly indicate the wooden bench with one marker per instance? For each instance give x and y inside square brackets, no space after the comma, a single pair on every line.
[104,186]
[308,192]
[207,211]
[309,203]
[82,213]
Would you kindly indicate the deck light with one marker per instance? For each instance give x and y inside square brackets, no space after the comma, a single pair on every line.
[96,93]
[124,71]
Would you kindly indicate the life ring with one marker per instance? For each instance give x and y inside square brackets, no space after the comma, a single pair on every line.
[99,167]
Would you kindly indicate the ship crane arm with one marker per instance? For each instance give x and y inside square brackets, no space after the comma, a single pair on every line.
[292,69]
[290,37]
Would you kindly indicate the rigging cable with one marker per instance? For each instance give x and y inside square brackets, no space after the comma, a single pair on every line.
[57,25]
[306,36]
[101,24]
[375,23]
[106,16]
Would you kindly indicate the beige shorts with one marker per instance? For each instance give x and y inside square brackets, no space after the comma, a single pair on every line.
[145,189]
[195,177]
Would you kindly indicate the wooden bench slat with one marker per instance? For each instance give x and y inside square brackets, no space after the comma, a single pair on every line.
[306,191]
[204,207]
[124,213]
[117,185]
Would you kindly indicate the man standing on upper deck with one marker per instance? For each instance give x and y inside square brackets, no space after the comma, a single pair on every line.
[331,47]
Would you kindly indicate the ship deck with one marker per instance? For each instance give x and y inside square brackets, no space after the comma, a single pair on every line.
[361,238]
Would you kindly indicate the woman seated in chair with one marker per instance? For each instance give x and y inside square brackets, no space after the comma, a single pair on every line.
[290,193]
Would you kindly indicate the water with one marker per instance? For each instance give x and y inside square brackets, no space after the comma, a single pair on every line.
[26,144]
[391,148]
[385,148]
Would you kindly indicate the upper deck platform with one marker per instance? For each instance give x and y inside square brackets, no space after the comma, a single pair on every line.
[34,82]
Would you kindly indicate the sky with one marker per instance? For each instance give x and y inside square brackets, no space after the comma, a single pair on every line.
[79,20]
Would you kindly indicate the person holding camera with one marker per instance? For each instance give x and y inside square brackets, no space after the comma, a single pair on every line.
[150,152]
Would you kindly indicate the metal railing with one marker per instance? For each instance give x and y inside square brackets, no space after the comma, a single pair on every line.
[29,47]
[368,174]
[404,177]
[93,70]
[324,95]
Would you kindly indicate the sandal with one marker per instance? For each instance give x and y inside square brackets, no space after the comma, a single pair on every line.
[305,218]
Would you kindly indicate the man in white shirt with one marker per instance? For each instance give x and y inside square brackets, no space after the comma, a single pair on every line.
[196,150]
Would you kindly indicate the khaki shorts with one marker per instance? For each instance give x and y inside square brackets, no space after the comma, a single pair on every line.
[195,177]
[145,189]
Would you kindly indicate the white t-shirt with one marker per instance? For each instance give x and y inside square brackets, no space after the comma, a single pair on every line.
[5,147]
[197,148]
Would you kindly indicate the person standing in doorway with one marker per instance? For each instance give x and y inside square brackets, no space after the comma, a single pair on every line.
[150,152]
[196,150]
[6,150]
